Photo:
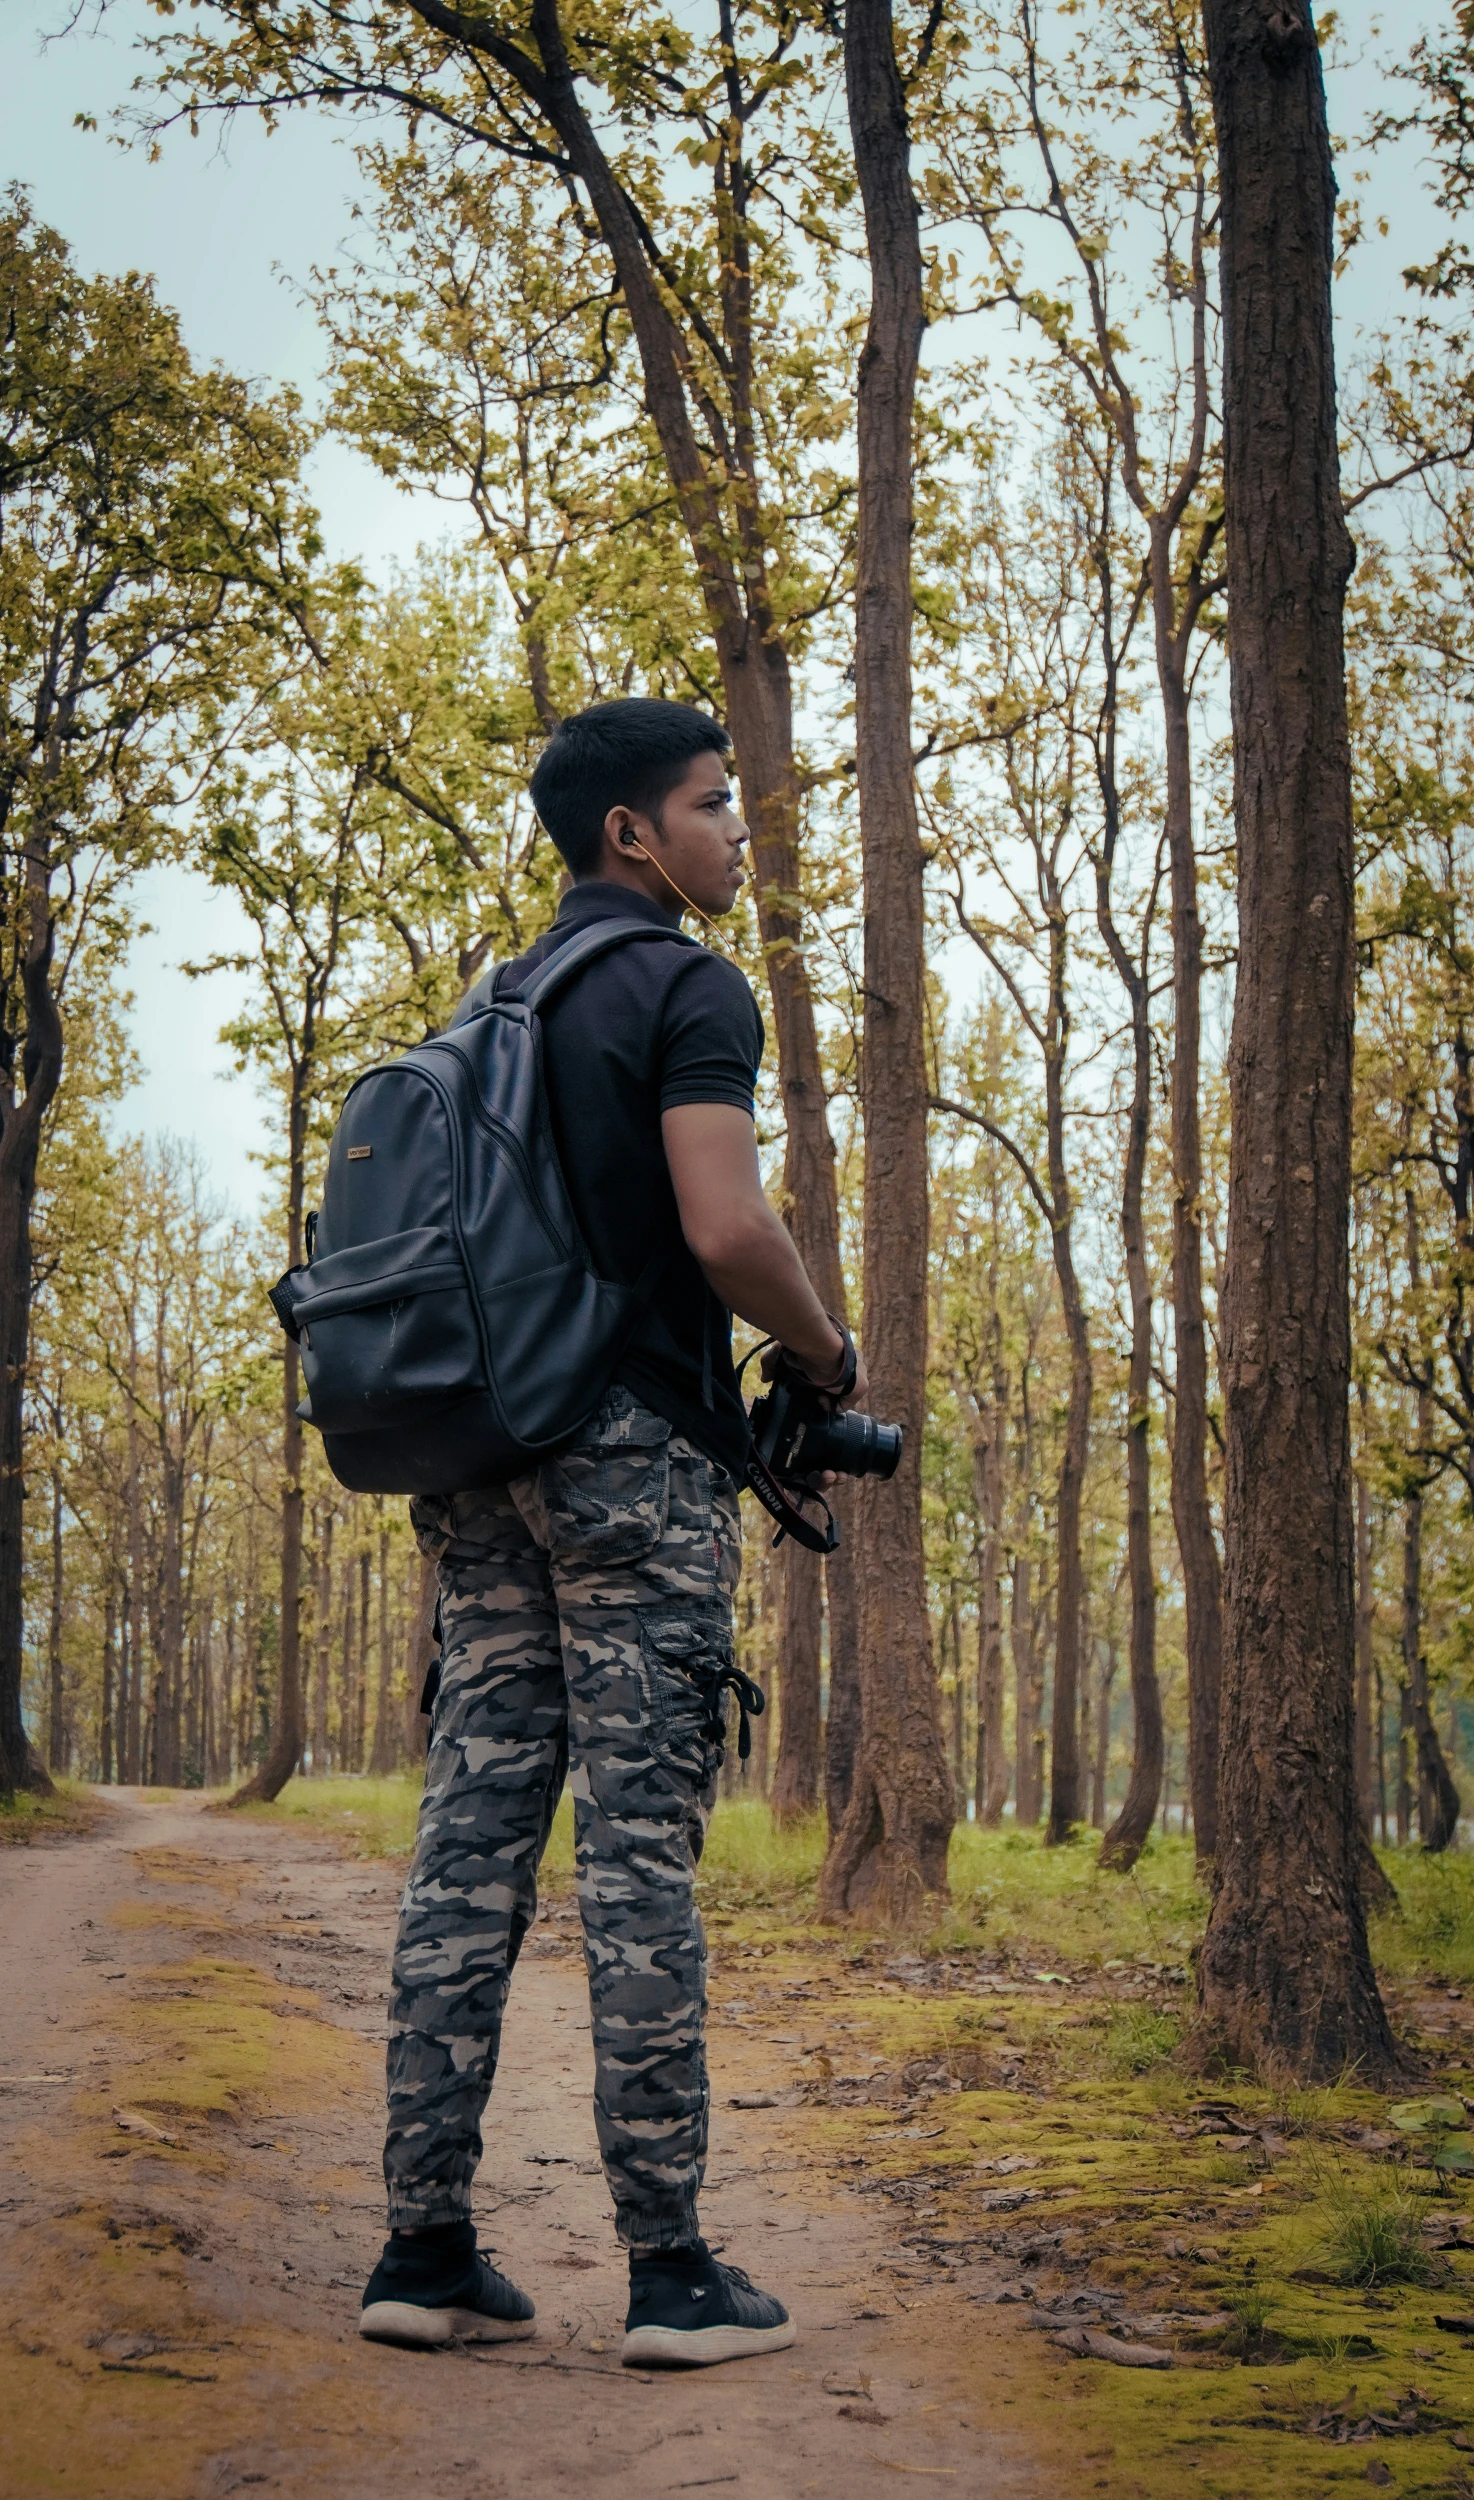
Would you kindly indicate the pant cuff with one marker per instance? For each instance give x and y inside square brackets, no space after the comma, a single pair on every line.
[414,2213]
[667,2230]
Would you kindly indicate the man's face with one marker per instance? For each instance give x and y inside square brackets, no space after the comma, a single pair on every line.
[698,840]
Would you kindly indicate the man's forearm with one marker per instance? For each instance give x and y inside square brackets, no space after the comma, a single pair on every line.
[759,1275]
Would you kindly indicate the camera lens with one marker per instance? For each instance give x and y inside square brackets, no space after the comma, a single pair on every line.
[849,1445]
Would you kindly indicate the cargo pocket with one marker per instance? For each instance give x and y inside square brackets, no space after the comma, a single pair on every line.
[607,1498]
[684,1658]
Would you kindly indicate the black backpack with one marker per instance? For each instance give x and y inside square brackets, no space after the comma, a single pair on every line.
[453,1331]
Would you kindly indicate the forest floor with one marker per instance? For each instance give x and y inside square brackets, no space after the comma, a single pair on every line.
[945,2153]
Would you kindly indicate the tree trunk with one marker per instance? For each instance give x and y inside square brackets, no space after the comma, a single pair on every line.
[1103,1739]
[20,1138]
[1404,1782]
[1438,1799]
[386,1751]
[56,1713]
[1127,1837]
[421,1651]
[1191,1515]
[1064,1746]
[842,1725]
[109,1671]
[800,1734]
[1366,1611]
[987,1465]
[954,1645]
[891,1850]
[284,1751]
[134,1772]
[323,1585]
[1285,1977]
[1028,1768]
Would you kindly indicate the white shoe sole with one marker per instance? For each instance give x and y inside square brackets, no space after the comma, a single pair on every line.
[400,2322]
[695,2348]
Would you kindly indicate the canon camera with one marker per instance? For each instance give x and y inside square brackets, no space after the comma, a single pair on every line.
[797,1434]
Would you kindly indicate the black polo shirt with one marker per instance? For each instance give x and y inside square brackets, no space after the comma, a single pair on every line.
[637,1032]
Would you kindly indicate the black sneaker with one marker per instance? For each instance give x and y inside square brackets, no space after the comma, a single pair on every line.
[435,2289]
[686,2310]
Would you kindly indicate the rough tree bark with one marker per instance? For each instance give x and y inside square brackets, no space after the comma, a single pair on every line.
[891,1850]
[1285,1977]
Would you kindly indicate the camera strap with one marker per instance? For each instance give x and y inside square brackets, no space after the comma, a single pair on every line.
[779,1503]
[776,1499]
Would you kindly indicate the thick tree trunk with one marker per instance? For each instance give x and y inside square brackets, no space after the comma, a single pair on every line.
[891,1850]
[800,1734]
[1285,1977]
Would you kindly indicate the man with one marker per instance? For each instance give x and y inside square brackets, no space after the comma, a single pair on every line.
[587,1607]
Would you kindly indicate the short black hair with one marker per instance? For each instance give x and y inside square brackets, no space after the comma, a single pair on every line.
[626,754]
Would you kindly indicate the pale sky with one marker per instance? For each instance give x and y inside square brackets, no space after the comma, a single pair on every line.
[225,224]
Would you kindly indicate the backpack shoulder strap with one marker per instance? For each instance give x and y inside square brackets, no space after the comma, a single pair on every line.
[561,965]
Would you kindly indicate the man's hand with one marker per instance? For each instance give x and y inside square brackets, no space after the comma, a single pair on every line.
[746,1254]
[855,1396]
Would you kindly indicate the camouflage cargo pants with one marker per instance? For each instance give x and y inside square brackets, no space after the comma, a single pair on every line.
[586,1612]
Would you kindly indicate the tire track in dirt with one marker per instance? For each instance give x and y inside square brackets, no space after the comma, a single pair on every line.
[179,2284]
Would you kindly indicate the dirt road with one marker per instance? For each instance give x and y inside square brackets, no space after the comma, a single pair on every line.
[190,2199]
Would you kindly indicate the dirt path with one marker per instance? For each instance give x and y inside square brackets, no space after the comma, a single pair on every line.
[189,2184]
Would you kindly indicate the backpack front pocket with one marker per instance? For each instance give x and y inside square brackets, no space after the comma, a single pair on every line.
[387,1329]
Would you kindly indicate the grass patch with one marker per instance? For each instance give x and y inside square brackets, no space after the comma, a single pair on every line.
[1372,2235]
[1137,2039]
[71,1808]
[1431,1932]
[373,1818]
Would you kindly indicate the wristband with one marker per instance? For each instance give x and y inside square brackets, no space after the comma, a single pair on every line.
[849,1368]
